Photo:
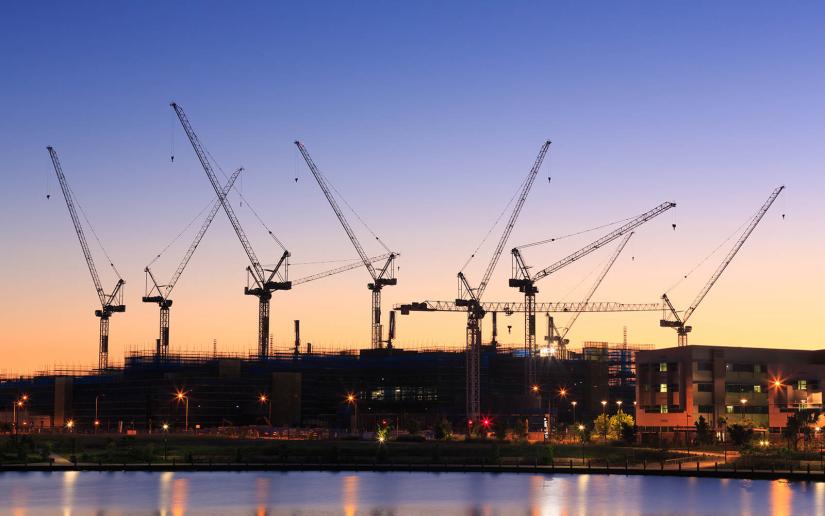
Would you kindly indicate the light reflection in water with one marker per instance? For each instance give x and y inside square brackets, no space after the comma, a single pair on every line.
[69,480]
[262,495]
[180,494]
[780,498]
[165,492]
[349,494]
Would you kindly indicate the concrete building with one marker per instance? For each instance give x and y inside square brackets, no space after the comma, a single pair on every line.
[725,385]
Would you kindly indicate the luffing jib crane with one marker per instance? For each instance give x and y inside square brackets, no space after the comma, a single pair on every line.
[160,293]
[381,277]
[261,282]
[680,322]
[525,282]
[470,298]
[109,303]
[561,339]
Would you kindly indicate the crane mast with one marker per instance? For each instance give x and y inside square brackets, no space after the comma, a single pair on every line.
[680,323]
[261,284]
[109,303]
[470,298]
[380,277]
[163,291]
[526,283]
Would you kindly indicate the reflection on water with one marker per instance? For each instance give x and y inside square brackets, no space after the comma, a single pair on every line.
[397,494]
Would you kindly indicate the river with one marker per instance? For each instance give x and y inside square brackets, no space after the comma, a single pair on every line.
[305,493]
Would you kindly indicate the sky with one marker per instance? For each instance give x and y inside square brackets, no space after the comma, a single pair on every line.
[426,117]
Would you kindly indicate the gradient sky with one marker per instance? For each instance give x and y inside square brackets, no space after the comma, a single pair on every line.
[426,116]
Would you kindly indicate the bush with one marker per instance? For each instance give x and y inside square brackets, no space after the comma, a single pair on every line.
[740,434]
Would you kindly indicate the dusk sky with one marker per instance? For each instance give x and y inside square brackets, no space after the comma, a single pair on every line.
[426,117]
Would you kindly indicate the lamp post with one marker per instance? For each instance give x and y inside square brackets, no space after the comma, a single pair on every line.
[604,421]
[353,402]
[574,403]
[619,405]
[183,396]
[263,398]
[17,404]
[165,441]
[581,439]
[743,402]
[97,411]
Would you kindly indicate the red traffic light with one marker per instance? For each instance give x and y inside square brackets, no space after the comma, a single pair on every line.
[486,422]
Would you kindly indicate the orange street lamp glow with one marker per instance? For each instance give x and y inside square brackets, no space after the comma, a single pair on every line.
[743,401]
[165,427]
[535,388]
[70,423]
[350,398]
[562,392]
[263,398]
[24,397]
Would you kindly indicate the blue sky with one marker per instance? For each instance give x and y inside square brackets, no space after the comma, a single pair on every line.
[425,116]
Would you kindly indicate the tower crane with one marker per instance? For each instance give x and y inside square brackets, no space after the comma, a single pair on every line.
[109,303]
[381,277]
[160,293]
[680,322]
[525,282]
[470,298]
[561,339]
[515,307]
[261,282]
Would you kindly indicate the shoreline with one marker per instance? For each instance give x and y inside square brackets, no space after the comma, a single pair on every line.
[720,472]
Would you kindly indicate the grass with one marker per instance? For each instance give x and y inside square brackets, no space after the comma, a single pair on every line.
[203,449]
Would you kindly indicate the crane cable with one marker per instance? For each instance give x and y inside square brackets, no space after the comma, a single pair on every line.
[248,205]
[94,233]
[179,235]
[577,233]
[713,252]
[495,224]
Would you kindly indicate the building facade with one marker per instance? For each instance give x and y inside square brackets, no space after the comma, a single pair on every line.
[761,387]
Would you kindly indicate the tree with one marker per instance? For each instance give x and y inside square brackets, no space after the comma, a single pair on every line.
[628,433]
[611,427]
[799,423]
[740,434]
[703,433]
[500,428]
[444,430]
[413,426]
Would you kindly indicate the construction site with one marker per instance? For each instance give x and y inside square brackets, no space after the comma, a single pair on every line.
[541,384]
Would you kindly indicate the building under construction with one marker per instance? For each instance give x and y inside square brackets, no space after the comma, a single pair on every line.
[307,390]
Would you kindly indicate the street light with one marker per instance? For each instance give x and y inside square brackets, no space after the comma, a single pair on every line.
[97,411]
[165,441]
[353,401]
[744,402]
[263,398]
[18,404]
[574,403]
[604,421]
[183,396]
[70,424]
[619,404]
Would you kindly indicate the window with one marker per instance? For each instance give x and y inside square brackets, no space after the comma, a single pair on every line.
[704,366]
[742,368]
[760,368]
[706,409]
[729,409]
[663,409]
[704,387]
[663,367]
[802,385]
[757,388]
[662,387]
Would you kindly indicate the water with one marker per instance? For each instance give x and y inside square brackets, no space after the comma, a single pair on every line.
[304,493]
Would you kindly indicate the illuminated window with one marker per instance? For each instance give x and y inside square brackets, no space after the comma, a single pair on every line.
[802,385]
[662,387]
[729,409]
[663,367]
[757,388]
[663,409]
